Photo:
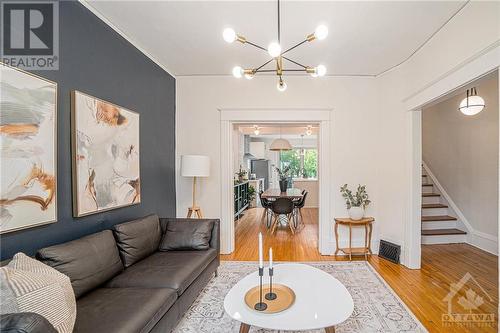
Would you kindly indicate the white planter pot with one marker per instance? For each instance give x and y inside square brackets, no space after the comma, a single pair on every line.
[356,213]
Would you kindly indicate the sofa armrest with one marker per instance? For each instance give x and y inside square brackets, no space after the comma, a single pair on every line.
[25,322]
[215,236]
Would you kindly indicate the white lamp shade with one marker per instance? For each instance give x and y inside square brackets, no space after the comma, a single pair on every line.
[195,166]
[280,144]
[472,105]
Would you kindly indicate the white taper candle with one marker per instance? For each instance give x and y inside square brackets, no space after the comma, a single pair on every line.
[261,259]
[270,257]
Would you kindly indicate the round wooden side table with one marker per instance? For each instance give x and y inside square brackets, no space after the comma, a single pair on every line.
[367,223]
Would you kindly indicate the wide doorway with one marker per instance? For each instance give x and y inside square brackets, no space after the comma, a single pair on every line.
[265,155]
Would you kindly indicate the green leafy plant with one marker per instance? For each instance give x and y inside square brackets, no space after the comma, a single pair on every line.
[283,173]
[360,199]
[251,193]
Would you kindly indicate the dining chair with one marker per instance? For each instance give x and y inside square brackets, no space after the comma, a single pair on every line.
[267,205]
[283,206]
[299,205]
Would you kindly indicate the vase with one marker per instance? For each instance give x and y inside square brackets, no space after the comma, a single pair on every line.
[356,213]
[283,185]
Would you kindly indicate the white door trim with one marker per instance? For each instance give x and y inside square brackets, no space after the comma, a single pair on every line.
[234,115]
[481,64]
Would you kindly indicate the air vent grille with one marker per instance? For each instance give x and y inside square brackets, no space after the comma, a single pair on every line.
[389,251]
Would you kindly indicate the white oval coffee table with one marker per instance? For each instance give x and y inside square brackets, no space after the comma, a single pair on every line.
[321,300]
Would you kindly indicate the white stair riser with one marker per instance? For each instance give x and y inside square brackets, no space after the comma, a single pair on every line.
[443,239]
[427,189]
[434,211]
[439,225]
[429,200]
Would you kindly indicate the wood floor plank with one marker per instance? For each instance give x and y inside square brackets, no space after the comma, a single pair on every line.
[421,290]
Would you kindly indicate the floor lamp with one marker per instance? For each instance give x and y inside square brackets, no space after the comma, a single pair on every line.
[195,166]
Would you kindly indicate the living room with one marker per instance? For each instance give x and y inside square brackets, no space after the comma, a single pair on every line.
[103,102]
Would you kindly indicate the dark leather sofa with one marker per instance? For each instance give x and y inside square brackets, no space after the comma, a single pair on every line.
[123,283]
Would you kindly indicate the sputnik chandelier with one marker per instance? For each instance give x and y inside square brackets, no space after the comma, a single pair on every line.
[278,55]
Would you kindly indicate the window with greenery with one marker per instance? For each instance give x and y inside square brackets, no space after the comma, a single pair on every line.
[302,165]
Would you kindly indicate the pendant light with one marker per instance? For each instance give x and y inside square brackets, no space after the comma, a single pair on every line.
[280,144]
[472,104]
[256,129]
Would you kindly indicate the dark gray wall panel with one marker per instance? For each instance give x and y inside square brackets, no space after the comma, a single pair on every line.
[96,60]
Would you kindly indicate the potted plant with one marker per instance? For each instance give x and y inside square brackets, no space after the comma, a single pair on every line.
[251,195]
[241,175]
[356,204]
[283,174]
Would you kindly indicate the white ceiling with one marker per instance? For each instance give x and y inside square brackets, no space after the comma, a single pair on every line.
[366,38]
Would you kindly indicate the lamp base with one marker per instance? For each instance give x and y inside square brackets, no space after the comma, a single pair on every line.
[194,210]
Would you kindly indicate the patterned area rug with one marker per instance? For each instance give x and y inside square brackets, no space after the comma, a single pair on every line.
[376,307]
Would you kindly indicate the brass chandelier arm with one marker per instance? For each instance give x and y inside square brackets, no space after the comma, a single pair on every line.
[296,63]
[295,46]
[284,70]
[255,45]
[258,68]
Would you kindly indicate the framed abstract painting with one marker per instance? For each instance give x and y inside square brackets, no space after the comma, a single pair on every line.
[28,148]
[105,152]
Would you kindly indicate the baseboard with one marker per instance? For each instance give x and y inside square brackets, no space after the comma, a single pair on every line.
[356,242]
[483,241]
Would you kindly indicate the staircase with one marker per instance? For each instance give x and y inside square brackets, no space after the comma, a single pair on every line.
[439,224]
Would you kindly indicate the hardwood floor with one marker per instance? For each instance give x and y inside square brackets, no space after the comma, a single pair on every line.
[422,290]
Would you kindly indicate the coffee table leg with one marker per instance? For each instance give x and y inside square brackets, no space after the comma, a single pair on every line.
[330,329]
[244,328]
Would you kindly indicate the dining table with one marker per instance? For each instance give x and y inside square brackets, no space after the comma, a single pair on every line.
[275,193]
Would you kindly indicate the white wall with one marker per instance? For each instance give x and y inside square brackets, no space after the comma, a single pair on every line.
[352,101]
[462,152]
[372,128]
[450,49]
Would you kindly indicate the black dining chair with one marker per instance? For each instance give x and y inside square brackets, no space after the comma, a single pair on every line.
[282,206]
[299,205]
[267,205]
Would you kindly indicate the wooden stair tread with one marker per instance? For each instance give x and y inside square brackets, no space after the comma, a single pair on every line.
[424,206]
[438,218]
[440,232]
[431,194]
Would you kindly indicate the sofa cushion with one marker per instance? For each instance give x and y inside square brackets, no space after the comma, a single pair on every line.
[25,322]
[122,309]
[182,235]
[88,262]
[38,288]
[137,239]
[172,269]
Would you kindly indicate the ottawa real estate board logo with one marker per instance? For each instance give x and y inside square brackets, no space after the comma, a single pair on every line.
[30,34]
[465,301]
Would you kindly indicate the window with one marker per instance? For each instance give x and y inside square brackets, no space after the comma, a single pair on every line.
[303,163]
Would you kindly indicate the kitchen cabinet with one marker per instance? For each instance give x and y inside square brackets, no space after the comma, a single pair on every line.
[240,198]
[258,149]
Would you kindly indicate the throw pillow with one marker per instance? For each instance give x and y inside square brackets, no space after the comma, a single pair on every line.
[137,239]
[182,235]
[41,289]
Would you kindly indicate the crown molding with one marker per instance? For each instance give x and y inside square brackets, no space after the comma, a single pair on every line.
[103,18]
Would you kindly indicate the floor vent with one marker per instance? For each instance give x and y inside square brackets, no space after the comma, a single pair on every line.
[389,251]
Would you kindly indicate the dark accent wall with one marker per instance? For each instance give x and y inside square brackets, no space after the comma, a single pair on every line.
[96,60]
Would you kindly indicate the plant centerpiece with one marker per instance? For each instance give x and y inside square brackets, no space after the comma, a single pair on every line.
[284,174]
[357,203]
